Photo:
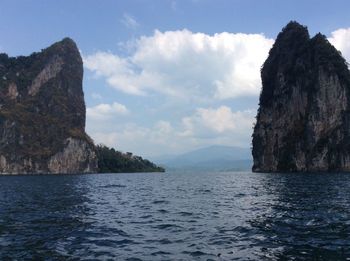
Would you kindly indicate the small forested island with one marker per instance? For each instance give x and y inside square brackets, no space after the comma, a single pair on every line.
[303,122]
[112,161]
[42,118]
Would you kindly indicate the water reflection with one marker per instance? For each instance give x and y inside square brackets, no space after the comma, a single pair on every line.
[39,213]
[307,219]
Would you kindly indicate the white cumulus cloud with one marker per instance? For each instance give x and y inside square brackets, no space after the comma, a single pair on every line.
[341,40]
[223,119]
[105,111]
[217,121]
[206,126]
[186,64]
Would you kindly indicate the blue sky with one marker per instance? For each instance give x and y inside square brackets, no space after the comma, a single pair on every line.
[168,76]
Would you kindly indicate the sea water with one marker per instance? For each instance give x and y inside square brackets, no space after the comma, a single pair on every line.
[175,216]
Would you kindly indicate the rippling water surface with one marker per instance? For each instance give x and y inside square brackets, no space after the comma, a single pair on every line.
[175,216]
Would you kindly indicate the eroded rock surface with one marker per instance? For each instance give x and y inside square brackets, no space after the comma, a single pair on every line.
[303,123]
[42,113]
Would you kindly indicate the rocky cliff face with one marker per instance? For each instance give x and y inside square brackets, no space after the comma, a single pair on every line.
[42,113]
[303,123]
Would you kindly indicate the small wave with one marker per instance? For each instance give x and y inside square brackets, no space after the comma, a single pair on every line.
[165,241]
[204,191]
[196,253]
[160,253]
[185,214]
[146,216]
[160,202]
[166,226]
[125,242]
[117,231]
[111,242]
[113,186]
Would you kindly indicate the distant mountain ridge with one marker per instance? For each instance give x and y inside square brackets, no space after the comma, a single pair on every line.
[217,157]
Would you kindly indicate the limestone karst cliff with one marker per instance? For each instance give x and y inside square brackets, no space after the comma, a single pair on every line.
[303,123]
[42,113]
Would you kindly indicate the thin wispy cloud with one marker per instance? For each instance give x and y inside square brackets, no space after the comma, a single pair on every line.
[129,21]
[96,96]
[173,5]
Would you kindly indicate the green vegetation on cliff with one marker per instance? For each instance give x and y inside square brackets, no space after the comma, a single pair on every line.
[112,161]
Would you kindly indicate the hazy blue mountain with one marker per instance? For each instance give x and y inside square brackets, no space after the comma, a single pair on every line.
[209,158]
